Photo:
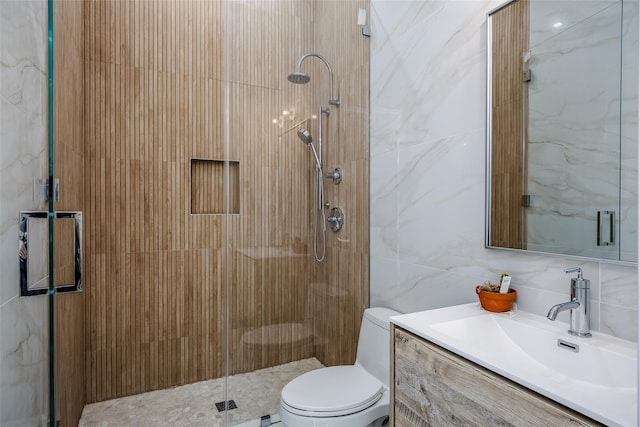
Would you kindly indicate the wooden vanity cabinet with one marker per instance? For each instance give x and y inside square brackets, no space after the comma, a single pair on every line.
[432,386]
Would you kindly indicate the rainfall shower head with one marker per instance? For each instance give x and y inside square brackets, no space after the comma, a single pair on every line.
[305,136]
[299,77]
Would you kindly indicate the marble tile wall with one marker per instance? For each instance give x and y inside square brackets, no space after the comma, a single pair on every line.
[23,156]
[428,71]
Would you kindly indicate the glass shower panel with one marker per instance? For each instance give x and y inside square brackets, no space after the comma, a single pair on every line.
[270,330]
[287,312]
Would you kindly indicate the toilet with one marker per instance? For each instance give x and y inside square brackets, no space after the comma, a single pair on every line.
[345,396]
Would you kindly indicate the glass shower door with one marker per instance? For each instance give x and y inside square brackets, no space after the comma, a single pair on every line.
[41,368]
[50,358]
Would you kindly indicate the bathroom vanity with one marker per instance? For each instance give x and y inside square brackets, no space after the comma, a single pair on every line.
[439,388]
[463,366]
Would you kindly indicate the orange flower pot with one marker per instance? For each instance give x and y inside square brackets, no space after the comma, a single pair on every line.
[496,302]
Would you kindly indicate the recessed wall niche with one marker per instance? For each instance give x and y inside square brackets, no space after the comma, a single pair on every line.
[207,186]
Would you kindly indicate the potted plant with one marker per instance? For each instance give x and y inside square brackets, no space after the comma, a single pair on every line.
[492,300]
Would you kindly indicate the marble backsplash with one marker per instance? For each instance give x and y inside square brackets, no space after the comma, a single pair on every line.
[23,157]
[428,102]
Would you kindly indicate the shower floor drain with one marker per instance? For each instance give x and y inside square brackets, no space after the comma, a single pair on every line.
[230,405]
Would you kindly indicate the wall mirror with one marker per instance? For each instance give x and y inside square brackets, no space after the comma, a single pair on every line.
[562,128]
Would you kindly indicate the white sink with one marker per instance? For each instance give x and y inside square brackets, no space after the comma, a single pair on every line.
[596,376]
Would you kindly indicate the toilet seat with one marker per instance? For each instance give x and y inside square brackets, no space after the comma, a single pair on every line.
[332,392]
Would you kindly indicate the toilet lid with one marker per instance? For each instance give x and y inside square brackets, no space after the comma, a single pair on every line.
[332,391]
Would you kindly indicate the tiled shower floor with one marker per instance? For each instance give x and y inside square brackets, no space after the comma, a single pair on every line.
[256,394]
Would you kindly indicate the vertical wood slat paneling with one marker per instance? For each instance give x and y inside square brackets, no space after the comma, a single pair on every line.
[510,40]
[344,276]
[68,154]
[140,105]
[155,100]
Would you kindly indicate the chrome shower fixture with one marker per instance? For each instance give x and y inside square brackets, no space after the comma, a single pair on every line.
[305,136]
[300,77]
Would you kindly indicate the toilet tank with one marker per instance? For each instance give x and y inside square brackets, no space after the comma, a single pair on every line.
[373,344]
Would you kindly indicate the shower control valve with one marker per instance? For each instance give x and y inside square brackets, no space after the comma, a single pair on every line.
[337,219]
[336,175]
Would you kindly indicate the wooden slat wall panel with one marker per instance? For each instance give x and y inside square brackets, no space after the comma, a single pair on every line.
[153,100]
[68,158]
[155,273]
[345,274]
[510,40]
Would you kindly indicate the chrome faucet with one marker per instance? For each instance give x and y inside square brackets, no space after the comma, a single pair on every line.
[579,305]
[556,309]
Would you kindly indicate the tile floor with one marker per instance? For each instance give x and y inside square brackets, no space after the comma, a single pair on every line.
[256,394]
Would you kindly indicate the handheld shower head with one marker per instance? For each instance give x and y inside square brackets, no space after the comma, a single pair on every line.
[305,136]
[299,77]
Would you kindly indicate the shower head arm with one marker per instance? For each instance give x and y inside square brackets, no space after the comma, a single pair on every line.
[332,99]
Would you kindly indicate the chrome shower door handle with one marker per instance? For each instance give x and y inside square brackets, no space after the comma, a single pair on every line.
[601,224]
[67,255]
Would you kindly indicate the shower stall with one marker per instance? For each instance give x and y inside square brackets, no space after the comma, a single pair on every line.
[170,128]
